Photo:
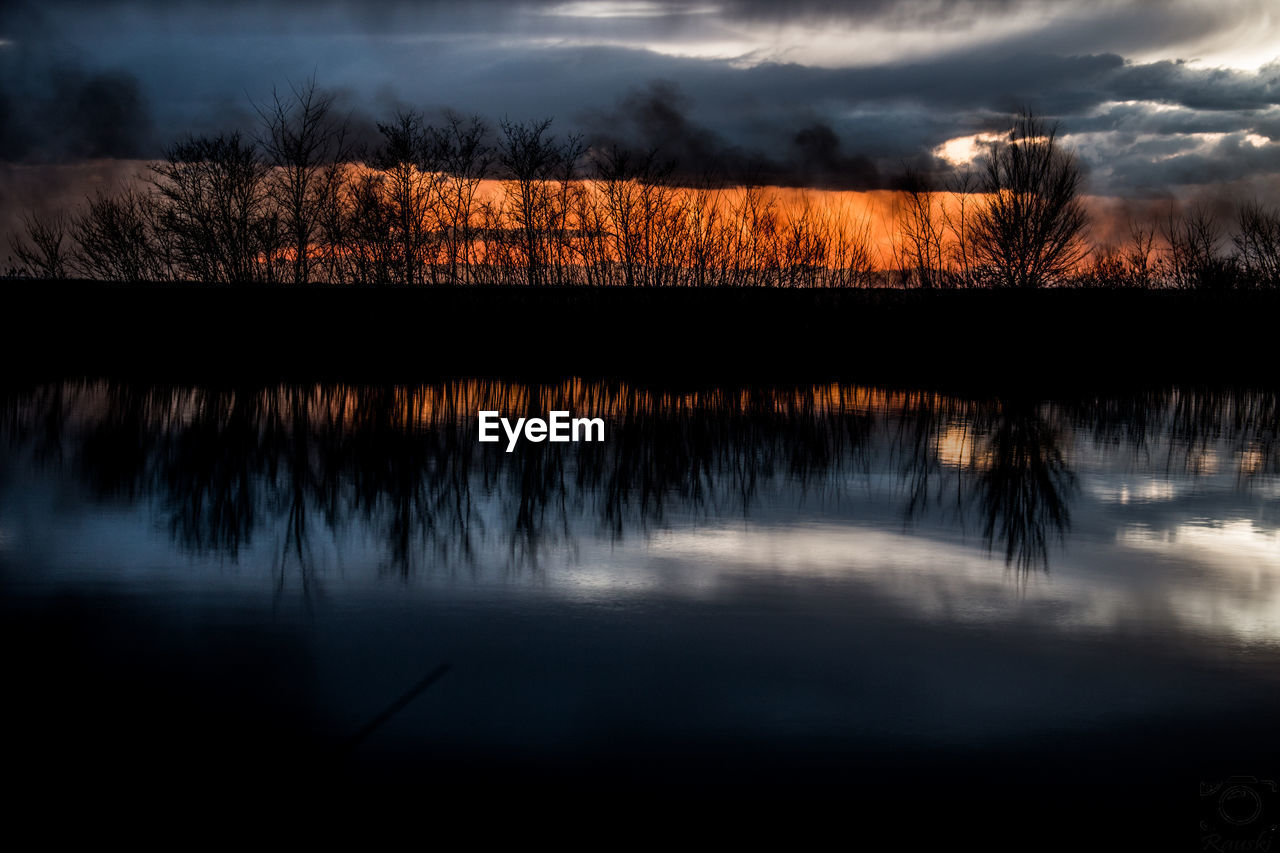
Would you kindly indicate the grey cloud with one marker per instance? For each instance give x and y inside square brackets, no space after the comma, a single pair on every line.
[658,118]
[1048,26]
[1199,88]
[1133,119]
[1230,159]
[198,65]
[70,112]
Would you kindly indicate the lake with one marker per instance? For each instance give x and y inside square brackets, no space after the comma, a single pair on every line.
[800,588]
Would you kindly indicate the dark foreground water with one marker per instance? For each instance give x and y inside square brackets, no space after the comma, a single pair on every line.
[780,590]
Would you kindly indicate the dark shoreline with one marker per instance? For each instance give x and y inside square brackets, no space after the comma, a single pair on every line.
[1032,341]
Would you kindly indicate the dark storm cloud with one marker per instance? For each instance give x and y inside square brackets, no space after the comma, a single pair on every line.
[655,118]
[878,118]
[1134,119]
[658,118]
[822,161]
[1199,88]
[54,107]
[78,77]
[1178,161]
[73,113]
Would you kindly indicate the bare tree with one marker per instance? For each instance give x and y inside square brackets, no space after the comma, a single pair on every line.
[636,205]
[920,232]
[410,178]
[531,159]
[752,256]
[958,219]
[849,260]
[1139,254]
[465,160]
[703,230]
[1258,243]
[118,238]
[563,249]
[45,251]
[807,244]
[302,141]
[1195,258]
[1030,227]
[1125,263]
[368,230]
[213,202]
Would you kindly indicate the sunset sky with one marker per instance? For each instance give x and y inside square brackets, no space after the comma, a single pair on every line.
[1157,97]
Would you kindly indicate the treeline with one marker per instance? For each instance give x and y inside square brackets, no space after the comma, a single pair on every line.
[461,202]
[1193,249]
[1019,221]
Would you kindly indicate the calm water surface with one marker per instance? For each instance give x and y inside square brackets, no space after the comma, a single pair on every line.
[800,585]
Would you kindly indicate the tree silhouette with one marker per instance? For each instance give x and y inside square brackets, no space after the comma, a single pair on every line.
[920,232]
[302,142]
[532,159]
[46,251]
[409,190]
[1195,260]
[465,159]
[298,205]
[118,238]
[1258,243]
[212,201]
[1030,228]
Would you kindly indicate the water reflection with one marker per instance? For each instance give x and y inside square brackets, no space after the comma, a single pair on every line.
[739,585]
[313,467]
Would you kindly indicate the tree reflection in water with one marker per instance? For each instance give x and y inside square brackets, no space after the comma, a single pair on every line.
[311,464]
